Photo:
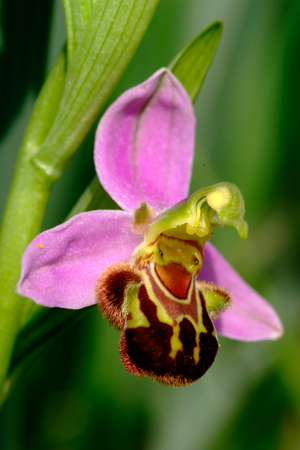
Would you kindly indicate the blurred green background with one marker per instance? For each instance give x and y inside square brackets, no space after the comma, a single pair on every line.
[78,394]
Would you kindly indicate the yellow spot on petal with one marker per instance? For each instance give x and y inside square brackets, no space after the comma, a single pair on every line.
[40,245]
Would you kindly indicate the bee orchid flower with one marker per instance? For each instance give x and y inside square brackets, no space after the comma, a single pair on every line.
[149,267]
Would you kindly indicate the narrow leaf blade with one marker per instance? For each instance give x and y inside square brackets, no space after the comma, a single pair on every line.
[77,15]
[191,65]
[110,40]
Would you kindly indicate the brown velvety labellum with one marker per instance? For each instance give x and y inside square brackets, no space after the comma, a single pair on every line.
[146,351]
[175,278]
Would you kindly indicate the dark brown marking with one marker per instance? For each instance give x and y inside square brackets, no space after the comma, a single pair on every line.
[175,278]
[148,347]
[208,350]
[110,291]
[187,336]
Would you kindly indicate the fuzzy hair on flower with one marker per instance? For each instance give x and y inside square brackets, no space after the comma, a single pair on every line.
[150,267]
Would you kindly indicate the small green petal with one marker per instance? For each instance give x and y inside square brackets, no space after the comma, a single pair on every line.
[217,299]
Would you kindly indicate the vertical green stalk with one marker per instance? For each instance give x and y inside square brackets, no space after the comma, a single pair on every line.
[24,211]
[19,227]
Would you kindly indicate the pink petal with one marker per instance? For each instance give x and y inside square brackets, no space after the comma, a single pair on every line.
[60,266]
[144,144]
[251,317]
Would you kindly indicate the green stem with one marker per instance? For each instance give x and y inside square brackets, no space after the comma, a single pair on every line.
[24,212]
[19,226]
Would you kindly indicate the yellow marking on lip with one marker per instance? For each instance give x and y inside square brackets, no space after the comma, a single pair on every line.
[40,245]
[133,306]
[176,344]
[197,351]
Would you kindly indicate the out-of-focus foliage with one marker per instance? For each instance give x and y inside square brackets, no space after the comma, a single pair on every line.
[78,395]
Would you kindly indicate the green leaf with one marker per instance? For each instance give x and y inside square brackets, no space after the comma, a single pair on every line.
[77,15]
[45,108]
[46,325]
[109,41]
[191,65]
[42,327]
